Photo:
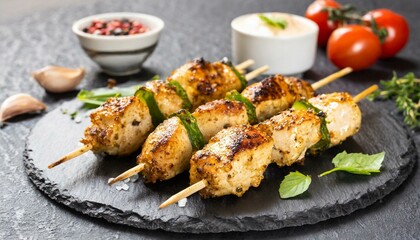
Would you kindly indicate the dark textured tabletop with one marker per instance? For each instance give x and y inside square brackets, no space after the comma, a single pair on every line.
[34,39]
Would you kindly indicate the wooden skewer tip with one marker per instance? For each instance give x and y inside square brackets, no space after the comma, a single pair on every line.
[256,72]
[245,64]
[130,172]
[346,70]
[70,155]
[185,193]
[365,93]
[331,78]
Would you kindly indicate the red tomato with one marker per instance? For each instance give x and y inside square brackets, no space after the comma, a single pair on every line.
[397,27]
[315,13]
[353,46]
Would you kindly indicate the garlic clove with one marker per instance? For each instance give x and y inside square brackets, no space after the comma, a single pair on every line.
[19,104]
[59,79]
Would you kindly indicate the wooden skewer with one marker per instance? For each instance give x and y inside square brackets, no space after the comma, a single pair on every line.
[244,65]
[365,93]
[203,183]
[71,155]
[185,193]
[331,78]
[130,172]
[256,73]
[315,86]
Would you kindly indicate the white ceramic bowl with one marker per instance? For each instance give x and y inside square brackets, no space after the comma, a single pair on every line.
[288,54]
[120,55]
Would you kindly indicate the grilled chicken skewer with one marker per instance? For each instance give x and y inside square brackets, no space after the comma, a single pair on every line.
[121,125]
[236,158]
[168,149]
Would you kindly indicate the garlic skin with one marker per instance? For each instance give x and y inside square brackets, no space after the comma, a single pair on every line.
[59,79]
[19,104]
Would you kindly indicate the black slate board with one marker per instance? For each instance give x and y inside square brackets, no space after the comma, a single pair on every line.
[81,183]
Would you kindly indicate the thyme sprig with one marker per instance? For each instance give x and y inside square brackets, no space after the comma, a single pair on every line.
[406,93]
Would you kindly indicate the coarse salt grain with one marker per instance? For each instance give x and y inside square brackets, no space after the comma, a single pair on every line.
[125,187]
[78,119]
[182,202]
[127,180]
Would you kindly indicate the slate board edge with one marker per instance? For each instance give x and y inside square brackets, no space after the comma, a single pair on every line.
[196,225]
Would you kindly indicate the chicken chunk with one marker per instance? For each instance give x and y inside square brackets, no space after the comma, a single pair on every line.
[293,132]
[275,94]
[166,152]
[344,117]
[119,126]
[214,116]
[204,81]
[233,161]
[168,149]
[166,97]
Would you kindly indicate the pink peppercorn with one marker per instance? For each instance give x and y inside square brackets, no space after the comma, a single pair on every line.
[115,27]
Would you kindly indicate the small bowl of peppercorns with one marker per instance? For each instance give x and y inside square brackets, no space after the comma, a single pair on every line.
[119,42]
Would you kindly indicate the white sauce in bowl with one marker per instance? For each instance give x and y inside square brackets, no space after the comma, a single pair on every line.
[288,51]
[252,24]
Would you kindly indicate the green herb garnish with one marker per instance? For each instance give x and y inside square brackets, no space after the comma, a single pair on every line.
[406,93]
[250,108]
[96,97]
[147,96]
[73,115]
[273,21]
[190,124]
[294,183]
[156,77]
[325,141]
[357,163]
[180,91]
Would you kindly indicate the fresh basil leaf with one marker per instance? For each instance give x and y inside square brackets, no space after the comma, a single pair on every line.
[349,170]
[273,21]
[294,183]
[96,97]
[357,163]
[359,160]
